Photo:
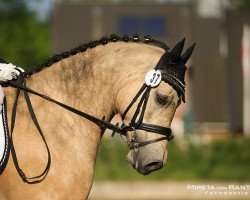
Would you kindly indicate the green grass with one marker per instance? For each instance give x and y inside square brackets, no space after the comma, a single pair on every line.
[219,160]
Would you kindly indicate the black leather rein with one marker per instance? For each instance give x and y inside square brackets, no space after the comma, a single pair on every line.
[99,122]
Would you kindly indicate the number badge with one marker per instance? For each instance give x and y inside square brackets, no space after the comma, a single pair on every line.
[153,78]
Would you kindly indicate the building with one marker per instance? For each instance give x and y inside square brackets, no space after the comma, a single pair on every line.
[216,101]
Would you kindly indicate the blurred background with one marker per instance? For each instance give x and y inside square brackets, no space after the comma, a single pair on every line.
[212,129]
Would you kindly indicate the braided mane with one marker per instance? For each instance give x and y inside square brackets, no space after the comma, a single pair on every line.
[103,41]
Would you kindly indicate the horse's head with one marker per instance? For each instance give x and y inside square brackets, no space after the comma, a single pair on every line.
[147,118]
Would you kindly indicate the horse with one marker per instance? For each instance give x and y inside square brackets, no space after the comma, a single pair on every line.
[100,78]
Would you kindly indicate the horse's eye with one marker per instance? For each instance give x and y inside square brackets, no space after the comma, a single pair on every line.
[161,99]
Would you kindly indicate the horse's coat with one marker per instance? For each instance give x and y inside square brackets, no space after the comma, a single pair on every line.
[100,81]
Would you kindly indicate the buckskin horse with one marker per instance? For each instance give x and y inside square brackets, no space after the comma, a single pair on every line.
[94,80]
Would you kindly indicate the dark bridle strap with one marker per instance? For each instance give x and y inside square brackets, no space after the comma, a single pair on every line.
[99,122]
[146,97]
[134,145]
[143,101]
[157,129]
[41,177]
[144,86]
[13,119]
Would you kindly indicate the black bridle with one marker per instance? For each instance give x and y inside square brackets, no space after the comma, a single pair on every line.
[135,124]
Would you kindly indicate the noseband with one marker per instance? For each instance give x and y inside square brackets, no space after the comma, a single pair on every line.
[152,80]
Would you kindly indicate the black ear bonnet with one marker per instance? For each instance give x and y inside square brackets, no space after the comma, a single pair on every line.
[173,67]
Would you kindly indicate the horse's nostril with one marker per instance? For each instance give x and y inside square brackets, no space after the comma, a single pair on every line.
[150,167]
[153,166]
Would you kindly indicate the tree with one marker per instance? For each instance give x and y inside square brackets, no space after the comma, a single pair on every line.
[24,41]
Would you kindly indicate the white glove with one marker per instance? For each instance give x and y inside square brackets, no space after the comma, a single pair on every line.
[9,72]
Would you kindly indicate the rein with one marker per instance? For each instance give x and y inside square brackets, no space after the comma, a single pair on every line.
[20,84]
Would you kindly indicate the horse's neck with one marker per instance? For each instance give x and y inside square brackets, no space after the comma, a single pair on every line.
[80,82]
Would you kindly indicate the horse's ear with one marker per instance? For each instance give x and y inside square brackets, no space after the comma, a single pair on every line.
[188,53]
[176,51]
